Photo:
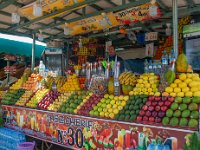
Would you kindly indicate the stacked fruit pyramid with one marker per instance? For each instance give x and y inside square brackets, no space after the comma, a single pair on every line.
[109,106]
[24,98]
[12,96]
[72,84]
[184,85]
[59,102]
[146,84]
[19,83]
[76,98]
[154,109]
[31,83]
[37,98]
[183,112]
[132,108]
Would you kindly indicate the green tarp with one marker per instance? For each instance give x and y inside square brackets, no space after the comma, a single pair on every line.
[19,48]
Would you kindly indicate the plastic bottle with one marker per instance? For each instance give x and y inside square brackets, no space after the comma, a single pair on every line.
[150,68]
[41,68]
[171,57]
[155,67]
[165,58]
[146,66]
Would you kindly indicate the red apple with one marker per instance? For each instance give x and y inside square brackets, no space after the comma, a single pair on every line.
[170,98]
[164,108]
[154,114]
[148,103]
[151,98]
[161,114]
[164,98]
[160,103]
[145,118]
[142,112]
[151,119]
[154,103]
[167,103]
[148,113]
[157,108]
[45,106]
[145,107]
[158,120]
[139,118]
[151,108]
[157,98]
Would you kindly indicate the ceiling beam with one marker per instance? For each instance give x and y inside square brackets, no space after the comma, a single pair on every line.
[6,3]
[87,2]
[98,8]
[111,2]
[162,5]
[5,23]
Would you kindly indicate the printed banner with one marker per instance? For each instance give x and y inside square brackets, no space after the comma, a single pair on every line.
[80,132]
[91,24]
[48,6]
[141,13]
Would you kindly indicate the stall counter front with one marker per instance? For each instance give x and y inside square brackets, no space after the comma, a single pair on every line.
[79,132]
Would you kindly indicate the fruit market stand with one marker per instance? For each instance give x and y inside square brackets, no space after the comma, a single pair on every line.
[128,111]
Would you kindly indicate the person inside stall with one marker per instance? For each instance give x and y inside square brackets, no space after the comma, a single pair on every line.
[112,58]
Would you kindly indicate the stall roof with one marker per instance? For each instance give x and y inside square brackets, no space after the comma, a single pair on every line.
[52,27]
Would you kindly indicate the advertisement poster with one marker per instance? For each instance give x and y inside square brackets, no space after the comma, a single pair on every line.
[48,6]
[96,23]
[140,13]
[87,133]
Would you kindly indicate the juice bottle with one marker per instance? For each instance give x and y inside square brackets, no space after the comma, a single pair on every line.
[120,138]
[128,139]
[32,123]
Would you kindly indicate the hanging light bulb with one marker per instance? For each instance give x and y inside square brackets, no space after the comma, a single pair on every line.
[66,29]
[40,36]
[168,30]
[37,9]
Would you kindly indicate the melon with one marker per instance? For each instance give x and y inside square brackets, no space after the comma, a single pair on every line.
[182,63]
[126,89]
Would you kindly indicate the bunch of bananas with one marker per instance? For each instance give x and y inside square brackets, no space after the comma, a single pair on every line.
[128,78]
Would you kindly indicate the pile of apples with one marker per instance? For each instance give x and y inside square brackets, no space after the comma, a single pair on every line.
[48,99]
[155,109]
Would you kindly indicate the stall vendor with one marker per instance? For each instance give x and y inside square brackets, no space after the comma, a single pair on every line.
[114,58]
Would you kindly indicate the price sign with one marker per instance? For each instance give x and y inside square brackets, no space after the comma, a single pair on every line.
[151,36]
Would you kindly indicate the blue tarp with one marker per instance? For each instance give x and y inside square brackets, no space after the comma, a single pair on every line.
[19,48]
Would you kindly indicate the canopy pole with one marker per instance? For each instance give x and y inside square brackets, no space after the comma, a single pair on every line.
[33,54]
[175,27]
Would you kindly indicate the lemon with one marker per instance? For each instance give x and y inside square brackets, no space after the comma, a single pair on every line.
[116,98]
[120,107]
[78,107]
[188,80]
[153,85]
[109,106]
[144,90]
[141,85]
[189,94]
[123,103]
[114,106]
[110,110]
[173,94]
[157,94]
[121,97]
[102,114]
[173,85]
[75,111]
[182,76]
[106,114]
[112,102]
[180,94]
[182,85]
[189,75]
[150,90]
[177,81]
[111,115]
[194,89]
[126,98]
[105,110]
[147,85]
[139,81]
[193,84]
[115,111]
[185,89]
[177,90]
[151,93]
[169,90]
[131,93]
[197,94]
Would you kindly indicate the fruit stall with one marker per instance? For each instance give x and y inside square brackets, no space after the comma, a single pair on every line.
[95,105]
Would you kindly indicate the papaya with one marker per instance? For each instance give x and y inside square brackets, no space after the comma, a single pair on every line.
[111,86]
[126,89]
[182,63]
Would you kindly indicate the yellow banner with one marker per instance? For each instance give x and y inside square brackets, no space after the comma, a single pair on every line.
[92,24]
[48,6]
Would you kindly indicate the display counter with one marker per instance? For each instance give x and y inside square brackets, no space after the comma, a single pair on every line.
[80,132]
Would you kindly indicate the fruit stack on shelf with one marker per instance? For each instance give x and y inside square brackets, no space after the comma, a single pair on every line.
[12,96]
[25,98]
[31,83]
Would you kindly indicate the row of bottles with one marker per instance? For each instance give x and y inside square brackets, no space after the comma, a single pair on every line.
[160,66]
